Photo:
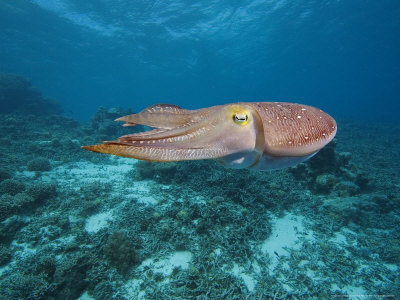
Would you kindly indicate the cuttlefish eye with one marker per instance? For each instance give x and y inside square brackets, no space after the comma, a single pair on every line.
[240,118]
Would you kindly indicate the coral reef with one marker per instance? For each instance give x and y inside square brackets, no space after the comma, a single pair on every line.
[251,188]
[16,201]
[106,227]
[4,175]
[120,251]
[9,228]
[25,286]
[102,124]
[5,255]
[42,191]
[12,205]
[18,95]
[50,137]
[331,172]
[11,187]
[39,164]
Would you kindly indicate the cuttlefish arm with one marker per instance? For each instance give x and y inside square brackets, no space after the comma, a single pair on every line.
[261,135]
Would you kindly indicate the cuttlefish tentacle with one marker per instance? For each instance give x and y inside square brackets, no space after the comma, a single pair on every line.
[185,130]
[201,137]
[263,135]
[142,134]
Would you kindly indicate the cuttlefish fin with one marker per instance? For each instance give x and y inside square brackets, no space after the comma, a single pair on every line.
[165,116]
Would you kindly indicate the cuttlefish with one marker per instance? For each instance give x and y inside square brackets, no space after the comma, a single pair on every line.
[257,135]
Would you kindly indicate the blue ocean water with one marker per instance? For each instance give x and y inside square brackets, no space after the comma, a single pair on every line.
[341,56]
[81,225]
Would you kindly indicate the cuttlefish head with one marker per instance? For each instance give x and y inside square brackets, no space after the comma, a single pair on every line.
[267,134]
[180,134]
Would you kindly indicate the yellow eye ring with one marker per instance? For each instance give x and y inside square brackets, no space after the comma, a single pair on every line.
[240,118]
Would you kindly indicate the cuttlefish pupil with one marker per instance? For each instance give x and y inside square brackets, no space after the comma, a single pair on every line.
[276,134]
[240,118]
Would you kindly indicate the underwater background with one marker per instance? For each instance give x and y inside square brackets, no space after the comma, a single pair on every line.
[81,225]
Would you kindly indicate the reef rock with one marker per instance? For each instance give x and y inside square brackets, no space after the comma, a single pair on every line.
[17,95]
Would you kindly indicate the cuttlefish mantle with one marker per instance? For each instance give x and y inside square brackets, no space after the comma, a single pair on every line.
[258,135]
